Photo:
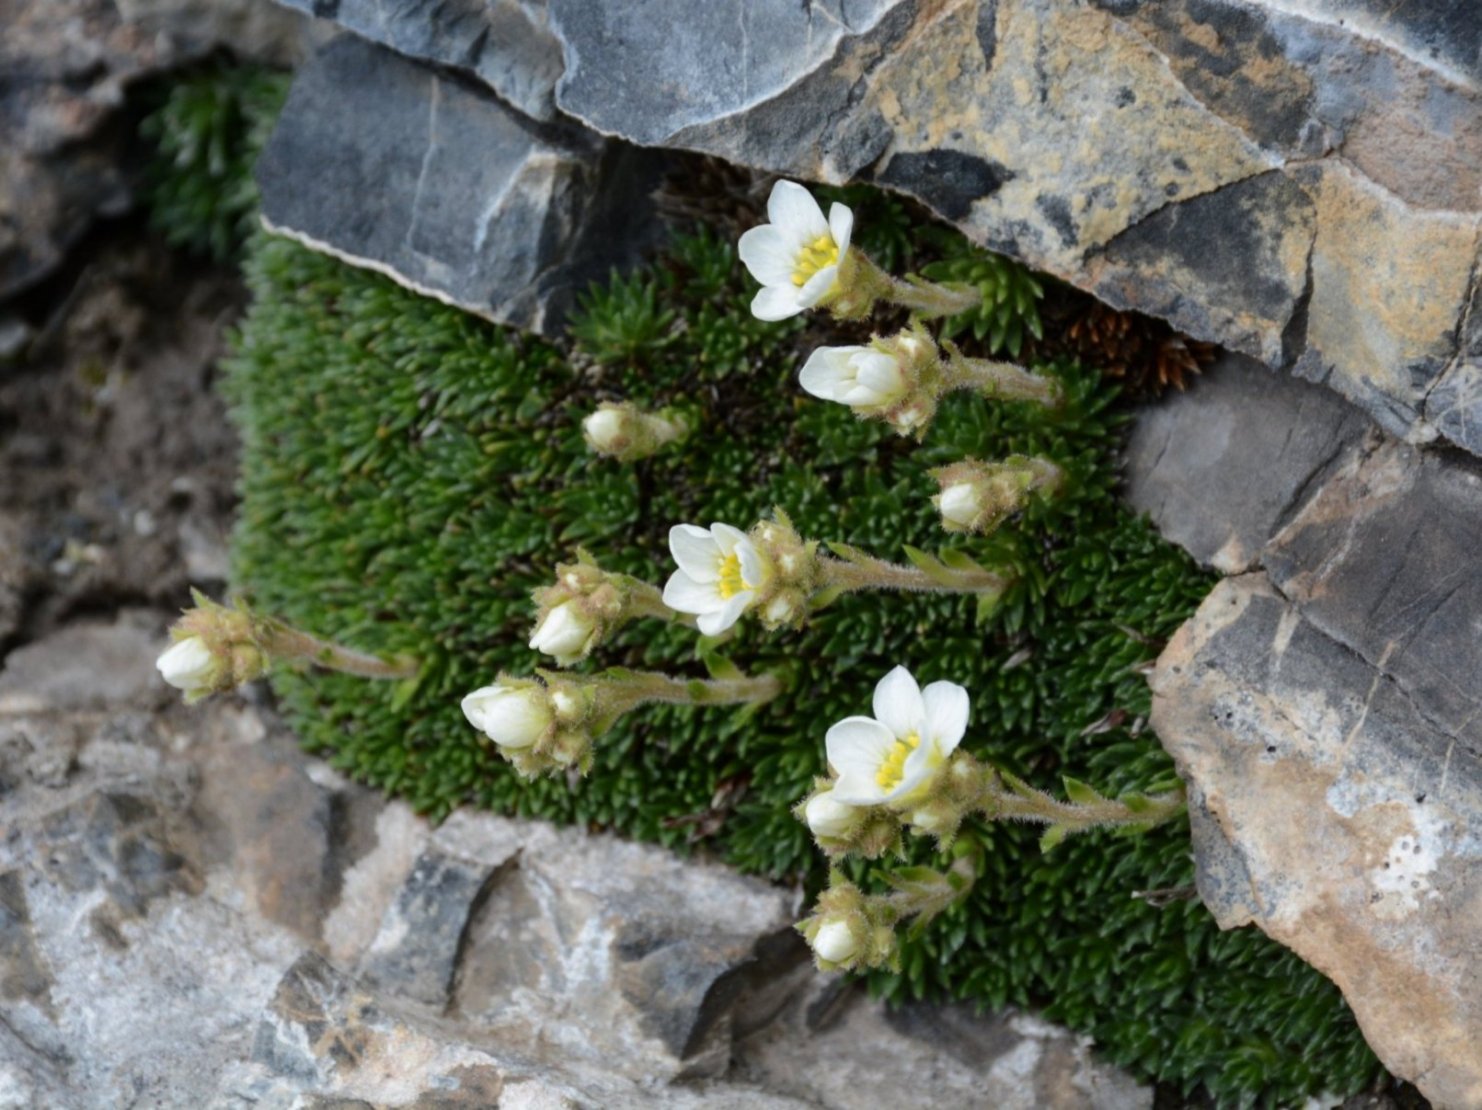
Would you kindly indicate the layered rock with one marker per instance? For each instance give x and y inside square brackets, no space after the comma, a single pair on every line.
[1322,705]
[1296,181]
[415,172]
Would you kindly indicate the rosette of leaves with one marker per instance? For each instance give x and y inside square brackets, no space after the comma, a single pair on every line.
[206,132]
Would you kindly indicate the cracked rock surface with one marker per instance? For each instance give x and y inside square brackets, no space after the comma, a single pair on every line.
[1323,706]
[1297,180]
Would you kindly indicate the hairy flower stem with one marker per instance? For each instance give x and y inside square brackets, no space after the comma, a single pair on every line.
[628,689]
[864,572]
[862,284]
[1004,804]
[927,894]
[287,644]
[1001,380]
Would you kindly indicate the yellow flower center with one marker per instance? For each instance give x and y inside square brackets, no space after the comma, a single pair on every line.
[893,769]
[731,583]
[822,252]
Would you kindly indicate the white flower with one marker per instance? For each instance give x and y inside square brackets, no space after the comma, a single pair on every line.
[796,257]
[861,377]
[835,941]
[511,716]
[827,816]
[720,572]
[188,665]
[606,429]
[959,504]
[890,759]
[564,633]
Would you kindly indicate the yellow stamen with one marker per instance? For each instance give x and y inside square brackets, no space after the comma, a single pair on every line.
[894,768]
[731,583]
[822,252]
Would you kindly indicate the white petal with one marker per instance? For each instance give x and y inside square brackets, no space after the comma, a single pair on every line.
[835,942]
[776,302]
[187,664]
[818,286]
[717,621]
[727,537]
[947,711]
[564,632]
[828,373]
[840,225]
[770,254]
[684,595]
[754,568]
[827,816]
[959,503]
[856,746]
[604,428]
[793,209]
[898,705]
[880,372]
[859,788]
[696,552]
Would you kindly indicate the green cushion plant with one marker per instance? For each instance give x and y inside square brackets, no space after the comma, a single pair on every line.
[410,474]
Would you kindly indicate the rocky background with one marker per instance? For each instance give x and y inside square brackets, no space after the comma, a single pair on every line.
[196,914]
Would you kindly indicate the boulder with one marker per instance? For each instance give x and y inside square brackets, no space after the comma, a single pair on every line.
[1321,705]
[436,181]
[1296,182]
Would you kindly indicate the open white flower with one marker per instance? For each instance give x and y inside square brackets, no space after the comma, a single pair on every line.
[188,665]
[719,576]
[860,377]
[511,716]
[564,633]
[796,257]
[891,758]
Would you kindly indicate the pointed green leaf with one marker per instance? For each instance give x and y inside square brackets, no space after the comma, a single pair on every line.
[1080,793]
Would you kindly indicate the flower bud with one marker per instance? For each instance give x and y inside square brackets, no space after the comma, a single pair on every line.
[625,432]
[835,942]
[511,716]
[977,496]
[189,665]
[863,378]
[959,505]
[565,632]
[604,430]
[829,817]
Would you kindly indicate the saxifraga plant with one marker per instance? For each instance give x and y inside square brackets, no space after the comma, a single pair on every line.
[412,474]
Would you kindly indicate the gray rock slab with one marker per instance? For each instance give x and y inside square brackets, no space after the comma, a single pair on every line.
[1298,180]
[506,44]
[418,948]
[1384,560]
[1220,466]
[1330,810]
[434,180]
[1323,708]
